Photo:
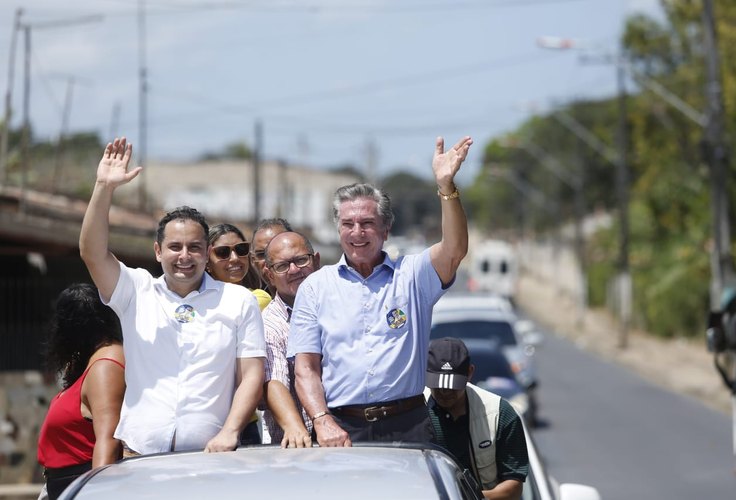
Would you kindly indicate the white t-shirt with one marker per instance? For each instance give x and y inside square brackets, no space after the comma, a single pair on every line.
[180,358]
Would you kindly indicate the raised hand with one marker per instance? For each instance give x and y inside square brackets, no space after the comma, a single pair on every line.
[113,167]
[446,164]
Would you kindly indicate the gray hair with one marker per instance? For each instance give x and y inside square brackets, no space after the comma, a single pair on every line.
[355,191]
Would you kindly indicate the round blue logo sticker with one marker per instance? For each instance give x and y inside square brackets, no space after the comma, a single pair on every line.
[396,318]
[184,313]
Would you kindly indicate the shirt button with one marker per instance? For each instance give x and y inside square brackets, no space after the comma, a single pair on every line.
[370,349]
[370,372]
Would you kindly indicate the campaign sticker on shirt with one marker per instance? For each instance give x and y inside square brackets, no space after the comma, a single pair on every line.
[184,313]
[396,318]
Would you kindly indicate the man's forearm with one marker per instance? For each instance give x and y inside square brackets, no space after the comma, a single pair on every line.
[245,400]
[309,384]
[282,405]
[94,236]
[94,240]
[509,489]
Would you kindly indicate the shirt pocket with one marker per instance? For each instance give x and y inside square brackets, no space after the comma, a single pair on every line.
[396,315]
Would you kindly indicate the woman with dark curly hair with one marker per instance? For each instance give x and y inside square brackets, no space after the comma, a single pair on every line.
[77,433]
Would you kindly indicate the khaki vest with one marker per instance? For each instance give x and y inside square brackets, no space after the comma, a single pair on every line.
[484,408]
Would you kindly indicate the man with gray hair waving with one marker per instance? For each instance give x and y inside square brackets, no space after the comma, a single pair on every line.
[360,328]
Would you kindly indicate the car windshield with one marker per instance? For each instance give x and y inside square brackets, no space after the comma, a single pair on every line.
[499,332]
[490,364]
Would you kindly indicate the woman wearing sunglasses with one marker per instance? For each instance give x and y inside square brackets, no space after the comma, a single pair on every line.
[228,261]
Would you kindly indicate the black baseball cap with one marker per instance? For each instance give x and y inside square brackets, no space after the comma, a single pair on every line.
[448,364]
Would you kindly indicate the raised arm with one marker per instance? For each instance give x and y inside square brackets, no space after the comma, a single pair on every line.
[447,254]
[93,239]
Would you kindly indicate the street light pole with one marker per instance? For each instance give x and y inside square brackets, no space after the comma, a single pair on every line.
[619,159]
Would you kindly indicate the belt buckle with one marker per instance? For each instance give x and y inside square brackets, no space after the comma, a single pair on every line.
[367,416]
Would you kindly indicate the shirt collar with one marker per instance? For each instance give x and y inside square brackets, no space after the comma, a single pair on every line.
[208,283]
[386,262]
[283,306]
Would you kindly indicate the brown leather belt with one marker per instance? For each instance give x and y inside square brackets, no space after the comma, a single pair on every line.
[377,411]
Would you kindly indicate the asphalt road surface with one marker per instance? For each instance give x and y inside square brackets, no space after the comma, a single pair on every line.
[609,428]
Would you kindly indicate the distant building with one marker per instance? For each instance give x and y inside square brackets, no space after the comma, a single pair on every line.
[223,190]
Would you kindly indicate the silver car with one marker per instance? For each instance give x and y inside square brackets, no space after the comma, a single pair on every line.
[367,472]
[489,317]
[373,471]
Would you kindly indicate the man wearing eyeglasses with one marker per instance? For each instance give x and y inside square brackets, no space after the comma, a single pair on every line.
[360,328]
[194,346]
[289,259]
[262,235]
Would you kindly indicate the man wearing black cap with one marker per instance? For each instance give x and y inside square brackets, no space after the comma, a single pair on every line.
[480,429]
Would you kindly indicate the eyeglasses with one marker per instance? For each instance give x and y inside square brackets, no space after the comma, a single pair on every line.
[259,254]
[224,251]
[299,261]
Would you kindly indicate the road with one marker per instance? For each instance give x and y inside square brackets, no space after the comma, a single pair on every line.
[609,428]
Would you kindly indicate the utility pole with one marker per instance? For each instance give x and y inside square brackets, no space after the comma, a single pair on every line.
[26,134]
[9,99]
[257,154]
[622,195]
[142,104]
[716,154]
[371,158]
[62,133]
[114,120]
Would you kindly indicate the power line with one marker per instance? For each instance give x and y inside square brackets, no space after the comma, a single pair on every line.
[428,78]
[167,6]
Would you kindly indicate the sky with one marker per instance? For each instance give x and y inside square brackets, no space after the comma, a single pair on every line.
[369,83]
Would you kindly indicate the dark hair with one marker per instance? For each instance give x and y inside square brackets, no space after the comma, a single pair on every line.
[251,279]
[81,325]
[221,230]
[358,190]
[181,213]
[270,223]
[306,241]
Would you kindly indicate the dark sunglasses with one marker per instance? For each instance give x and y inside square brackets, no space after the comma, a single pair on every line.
[224,251]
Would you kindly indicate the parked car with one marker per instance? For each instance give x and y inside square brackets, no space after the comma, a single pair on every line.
[364,472]
[486,317]
[493,373]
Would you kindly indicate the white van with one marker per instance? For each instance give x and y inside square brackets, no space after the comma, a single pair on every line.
[494,268]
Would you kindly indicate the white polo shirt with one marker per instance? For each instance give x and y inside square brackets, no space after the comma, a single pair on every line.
[180,358]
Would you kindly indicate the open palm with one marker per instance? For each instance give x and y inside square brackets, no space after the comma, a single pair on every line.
[113,167]
[446,164]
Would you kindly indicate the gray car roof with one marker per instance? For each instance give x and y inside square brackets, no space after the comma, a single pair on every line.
[270,472]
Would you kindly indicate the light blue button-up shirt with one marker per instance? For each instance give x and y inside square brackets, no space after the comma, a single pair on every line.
[372,333]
